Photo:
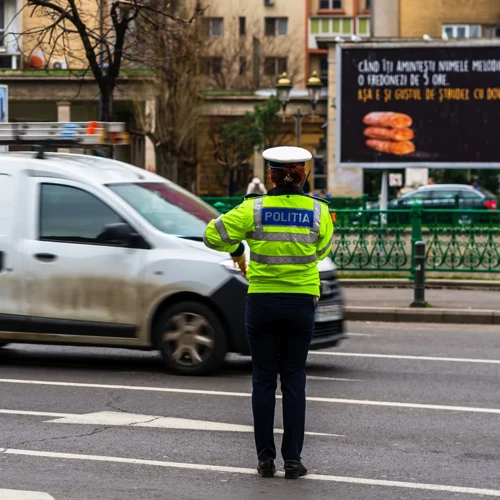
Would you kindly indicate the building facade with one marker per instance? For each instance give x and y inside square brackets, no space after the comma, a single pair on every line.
[408,19]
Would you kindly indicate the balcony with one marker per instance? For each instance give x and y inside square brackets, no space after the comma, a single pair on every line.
[328,27]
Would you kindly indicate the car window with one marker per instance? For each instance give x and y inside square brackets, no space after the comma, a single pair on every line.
[72,215]
[467,194]
[417,196]
[446,194]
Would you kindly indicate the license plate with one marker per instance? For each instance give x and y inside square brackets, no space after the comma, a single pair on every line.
[329,313]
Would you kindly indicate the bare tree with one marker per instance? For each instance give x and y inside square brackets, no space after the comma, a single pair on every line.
[91,35]
[172,52]
[248,60]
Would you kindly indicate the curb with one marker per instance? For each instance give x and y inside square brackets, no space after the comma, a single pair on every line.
[436,284]
[426,315]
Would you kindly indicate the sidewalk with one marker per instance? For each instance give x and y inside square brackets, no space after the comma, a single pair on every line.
[443,299]
[446,306]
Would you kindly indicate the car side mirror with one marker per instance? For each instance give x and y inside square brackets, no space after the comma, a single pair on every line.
[120,234]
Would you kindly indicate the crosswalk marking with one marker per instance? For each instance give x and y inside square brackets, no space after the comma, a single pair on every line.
[245,471]
[110,418]
[24,495]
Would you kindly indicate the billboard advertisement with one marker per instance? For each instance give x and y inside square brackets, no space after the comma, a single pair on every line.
[4,109]
[432,105]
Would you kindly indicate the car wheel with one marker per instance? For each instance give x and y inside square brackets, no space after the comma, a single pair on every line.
[191,339]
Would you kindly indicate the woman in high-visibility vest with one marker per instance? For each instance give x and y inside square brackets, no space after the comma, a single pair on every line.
[288,233]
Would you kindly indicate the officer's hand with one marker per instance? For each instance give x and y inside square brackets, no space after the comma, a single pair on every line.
[241,263]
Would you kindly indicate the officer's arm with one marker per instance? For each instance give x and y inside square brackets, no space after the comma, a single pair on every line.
[325,239]
[226,233]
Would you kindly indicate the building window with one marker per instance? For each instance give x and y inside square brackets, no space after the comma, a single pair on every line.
[331,26]
[363,26]
[211,66]
[2,22]
[214,26]
[491,31]
[276,26]
[462,30]
[274,66]
[243,26]
[323,70]
[330,4]
[368,4]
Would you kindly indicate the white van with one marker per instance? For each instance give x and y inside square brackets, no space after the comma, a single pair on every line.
[95,252]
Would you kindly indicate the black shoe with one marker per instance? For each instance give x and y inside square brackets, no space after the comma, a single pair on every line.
[266,468]
[294,469]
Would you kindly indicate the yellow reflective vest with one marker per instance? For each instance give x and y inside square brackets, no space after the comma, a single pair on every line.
[287,234]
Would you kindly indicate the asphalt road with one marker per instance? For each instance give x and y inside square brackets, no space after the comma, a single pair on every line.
[399,411]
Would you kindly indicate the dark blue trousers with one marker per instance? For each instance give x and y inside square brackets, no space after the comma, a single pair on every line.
[279,329]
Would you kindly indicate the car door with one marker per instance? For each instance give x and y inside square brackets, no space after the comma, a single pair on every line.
[12,276]
[78,285]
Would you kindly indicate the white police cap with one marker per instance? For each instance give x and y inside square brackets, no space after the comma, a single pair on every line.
[278,157]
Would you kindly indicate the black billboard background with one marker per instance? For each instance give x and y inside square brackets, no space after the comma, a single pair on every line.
[446,131]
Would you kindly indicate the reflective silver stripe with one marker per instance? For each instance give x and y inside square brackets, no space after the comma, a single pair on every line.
[325,248]
[257,214]
[317,217]
[208,244]
[286,237]
[274,259]
[219,225]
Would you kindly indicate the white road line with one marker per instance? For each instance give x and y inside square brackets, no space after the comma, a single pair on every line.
[241,470]
[35,414]
[397,356]
[24,495]
[113,418]
[393,404]
[313,377]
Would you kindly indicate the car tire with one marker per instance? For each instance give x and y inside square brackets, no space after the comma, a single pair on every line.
[191,339]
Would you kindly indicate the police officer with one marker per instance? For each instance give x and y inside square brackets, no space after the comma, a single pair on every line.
[287,232]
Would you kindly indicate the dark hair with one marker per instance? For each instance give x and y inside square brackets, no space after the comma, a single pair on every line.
[292,175]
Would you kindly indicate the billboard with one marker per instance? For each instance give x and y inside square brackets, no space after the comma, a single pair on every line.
[4,109]
[431,105]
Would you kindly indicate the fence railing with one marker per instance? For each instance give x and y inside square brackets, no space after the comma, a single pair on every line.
[458,240]
[465,241]
[224,204]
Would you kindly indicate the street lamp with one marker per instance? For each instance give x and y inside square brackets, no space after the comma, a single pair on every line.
[314,86]
[284,86]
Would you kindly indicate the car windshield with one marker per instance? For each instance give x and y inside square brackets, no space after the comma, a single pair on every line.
[168,208]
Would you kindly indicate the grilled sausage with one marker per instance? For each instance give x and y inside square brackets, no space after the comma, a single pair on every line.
[392,148]
[388,119]
[391,134]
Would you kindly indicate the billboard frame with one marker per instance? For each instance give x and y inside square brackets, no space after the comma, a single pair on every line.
[399,45]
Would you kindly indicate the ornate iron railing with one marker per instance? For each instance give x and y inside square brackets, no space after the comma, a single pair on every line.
[224,204]
[464,241]
[456,240]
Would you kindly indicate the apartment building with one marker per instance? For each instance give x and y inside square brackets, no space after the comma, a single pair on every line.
[328,19]
[446,19]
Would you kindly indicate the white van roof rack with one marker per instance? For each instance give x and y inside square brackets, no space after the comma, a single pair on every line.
[64,134]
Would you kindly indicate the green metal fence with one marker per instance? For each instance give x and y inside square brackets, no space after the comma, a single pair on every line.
[224,204]
[461,241]
[464,241]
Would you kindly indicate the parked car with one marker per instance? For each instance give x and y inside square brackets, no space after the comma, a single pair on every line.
[95,252]
[441,197]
